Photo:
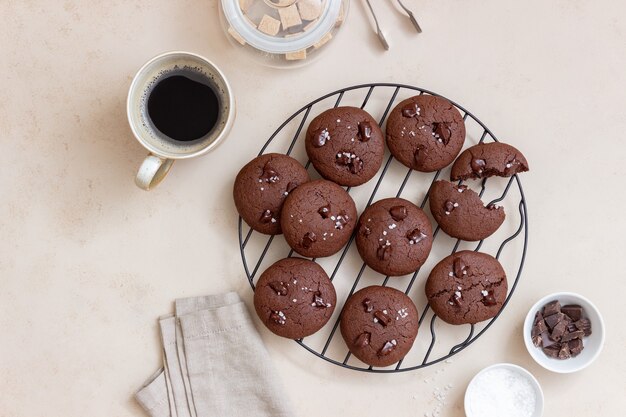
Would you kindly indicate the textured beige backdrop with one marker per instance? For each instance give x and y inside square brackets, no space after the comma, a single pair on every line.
[88,261]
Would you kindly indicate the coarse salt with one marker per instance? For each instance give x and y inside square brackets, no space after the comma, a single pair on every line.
[502,392]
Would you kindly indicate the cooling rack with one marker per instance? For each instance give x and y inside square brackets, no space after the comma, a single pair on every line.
[436,340]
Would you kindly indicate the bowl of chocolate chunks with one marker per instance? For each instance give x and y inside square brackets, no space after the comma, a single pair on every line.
[564,332]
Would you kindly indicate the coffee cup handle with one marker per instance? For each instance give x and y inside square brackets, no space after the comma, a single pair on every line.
[152,171]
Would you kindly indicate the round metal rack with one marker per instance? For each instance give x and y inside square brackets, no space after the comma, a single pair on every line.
[436,341]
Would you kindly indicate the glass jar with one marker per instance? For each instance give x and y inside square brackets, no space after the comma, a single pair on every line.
[283,33]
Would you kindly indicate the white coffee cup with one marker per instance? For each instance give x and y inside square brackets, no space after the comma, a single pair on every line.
[163,149]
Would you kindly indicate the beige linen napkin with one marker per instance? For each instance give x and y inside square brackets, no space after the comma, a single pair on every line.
[226,370]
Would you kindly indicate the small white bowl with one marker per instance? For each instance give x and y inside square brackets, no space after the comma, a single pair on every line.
[592,344]
[472,388]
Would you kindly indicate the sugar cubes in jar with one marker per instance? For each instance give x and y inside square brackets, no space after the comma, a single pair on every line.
[283,33]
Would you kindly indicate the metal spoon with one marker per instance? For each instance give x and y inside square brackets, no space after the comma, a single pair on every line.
[411,16]
[379,32]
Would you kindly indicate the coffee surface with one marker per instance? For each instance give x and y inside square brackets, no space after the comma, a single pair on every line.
[183,109]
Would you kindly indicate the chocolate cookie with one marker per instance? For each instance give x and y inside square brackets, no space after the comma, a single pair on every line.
[294,298]
[345,145]
[466,287]
[379,325]
[318,218]
[394,237]
[488,160]
[460,212]
[425,133]
[261,188]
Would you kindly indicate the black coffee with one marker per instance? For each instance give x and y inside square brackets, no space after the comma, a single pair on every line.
[183,109]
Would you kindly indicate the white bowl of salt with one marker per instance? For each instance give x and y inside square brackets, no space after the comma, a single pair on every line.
[503,390]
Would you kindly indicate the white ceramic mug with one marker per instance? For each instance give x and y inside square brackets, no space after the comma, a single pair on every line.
[163,149]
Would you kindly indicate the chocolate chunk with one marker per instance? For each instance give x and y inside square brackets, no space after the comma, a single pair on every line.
[267,216]
[367,303]
[564,352]
[278,317]
[383,318]
[575,346]
[420,151]
[545,340]
[279,287]
[365,131]
[344,158]
[291,186]
[442,132]
[324,211]
[552,351]
[384,252]
[318,300]
[576,334]
[353,162]
[536,340]
[574,312]
[341,220]
[321,138]
[571,327]
[415,236]
[411,110]
[584,325]
[269,174]
[558,331]
[554,319]
[356,165]
[449,206]
[551,308]
[388,347]
[456,299]
[538,317]
[308,240]
[541,326]
[363,339]
[398,213]
[460,268]
[478,165]
[488,298]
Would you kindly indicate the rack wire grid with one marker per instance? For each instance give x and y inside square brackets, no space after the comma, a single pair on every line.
[439,341]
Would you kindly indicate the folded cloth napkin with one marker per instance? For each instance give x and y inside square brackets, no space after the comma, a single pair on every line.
[215,364]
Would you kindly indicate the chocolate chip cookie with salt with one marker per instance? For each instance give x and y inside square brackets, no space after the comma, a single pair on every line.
[379,325]
[460,212]
[262,186]
[466,287]
[294,298]
[318,218]
[487,160]
[394,237]
[425,132]
[345,145]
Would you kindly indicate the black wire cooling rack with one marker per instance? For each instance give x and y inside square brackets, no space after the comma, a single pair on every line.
[439,341]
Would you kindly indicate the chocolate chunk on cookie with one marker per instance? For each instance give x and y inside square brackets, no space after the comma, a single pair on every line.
[488,160]
[425,132]
[345,145]
[379,325]
[394,237]
[261,188]
[460,212]
[466,287]
[318,218]
[294,298]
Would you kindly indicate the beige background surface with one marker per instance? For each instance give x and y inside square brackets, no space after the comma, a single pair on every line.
[88,261]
